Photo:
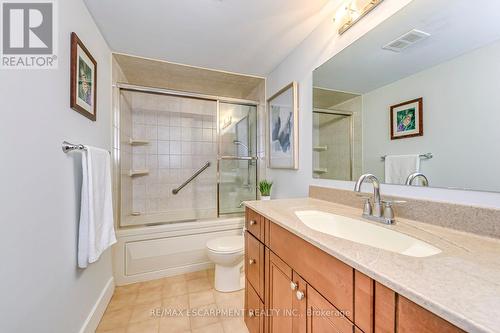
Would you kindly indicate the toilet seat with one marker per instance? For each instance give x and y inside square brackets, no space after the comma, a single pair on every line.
[226,244]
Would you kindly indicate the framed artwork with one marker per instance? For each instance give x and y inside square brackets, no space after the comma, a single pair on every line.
[83,95]
[282,137]
[407,119]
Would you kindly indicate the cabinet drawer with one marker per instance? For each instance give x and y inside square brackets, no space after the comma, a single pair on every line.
[254,310]
[329,276]
[254,223]
[254,263]
[413,318]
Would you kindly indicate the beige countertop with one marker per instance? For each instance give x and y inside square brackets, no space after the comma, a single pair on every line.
[460,284]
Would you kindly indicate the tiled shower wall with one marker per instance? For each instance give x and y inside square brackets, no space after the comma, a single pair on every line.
[181,135]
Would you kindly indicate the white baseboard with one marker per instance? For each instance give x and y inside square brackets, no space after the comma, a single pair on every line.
[99,307]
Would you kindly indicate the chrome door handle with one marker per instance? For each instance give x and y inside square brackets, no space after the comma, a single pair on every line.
[300,295]
[252,222]
[251,261]
[293,285]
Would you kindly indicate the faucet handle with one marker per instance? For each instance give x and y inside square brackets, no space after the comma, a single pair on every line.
[367,208]
[389,203]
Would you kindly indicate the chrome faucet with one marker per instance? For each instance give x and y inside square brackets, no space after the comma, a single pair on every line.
[416,175]
[383,214]
[377,203]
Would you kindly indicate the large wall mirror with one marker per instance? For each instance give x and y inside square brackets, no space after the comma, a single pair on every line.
[418,94]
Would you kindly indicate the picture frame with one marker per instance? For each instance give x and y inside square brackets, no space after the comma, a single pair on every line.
[83,96]
[283,128]
[407,119]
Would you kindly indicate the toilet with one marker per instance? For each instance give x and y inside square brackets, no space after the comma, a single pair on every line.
[227,254]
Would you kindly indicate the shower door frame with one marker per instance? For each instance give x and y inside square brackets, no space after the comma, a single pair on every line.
[220,157]
[117,89]
[351,132]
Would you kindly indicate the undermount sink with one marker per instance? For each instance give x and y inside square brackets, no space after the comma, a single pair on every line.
[366,233]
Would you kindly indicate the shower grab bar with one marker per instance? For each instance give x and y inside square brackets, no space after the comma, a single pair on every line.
[190,179]
[250,158]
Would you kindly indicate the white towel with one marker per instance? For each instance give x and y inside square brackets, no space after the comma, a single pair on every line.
[96,231]
[399,167]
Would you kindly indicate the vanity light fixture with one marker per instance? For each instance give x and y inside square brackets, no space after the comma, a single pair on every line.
[353,11]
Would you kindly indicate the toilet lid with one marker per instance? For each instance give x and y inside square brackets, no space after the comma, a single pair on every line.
[226,244]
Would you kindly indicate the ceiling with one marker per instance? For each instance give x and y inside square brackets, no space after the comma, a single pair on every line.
[242,36]
[456,27]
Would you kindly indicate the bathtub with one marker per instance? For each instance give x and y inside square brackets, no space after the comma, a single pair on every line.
[152,252]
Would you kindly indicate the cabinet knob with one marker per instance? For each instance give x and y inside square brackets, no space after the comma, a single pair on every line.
[252,222]
[300,295]
[293,285]
[251,261]
[251,313]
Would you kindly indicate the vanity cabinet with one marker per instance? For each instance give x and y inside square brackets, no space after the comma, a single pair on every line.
[294,287]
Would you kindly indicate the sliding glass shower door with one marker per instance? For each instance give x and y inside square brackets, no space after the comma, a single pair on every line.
[237,128]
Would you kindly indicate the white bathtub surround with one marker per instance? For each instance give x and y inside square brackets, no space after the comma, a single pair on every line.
[227,254]
[96,229]
[153,252]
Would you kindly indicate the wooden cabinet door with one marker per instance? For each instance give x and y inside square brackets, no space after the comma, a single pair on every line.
[254,310]
[280,295]
[323,317]
[413,318]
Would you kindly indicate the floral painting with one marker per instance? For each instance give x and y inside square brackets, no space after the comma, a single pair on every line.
[407,119]
[282,137]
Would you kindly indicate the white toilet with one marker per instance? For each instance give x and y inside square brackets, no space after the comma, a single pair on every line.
[227,254]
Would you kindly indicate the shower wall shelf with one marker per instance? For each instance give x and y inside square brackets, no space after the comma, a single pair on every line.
[142,172]
[320,148]
[137,142]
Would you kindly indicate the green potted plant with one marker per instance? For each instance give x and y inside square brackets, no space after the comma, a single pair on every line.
[265,189]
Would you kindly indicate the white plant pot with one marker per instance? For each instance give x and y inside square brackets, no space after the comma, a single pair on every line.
[264,198]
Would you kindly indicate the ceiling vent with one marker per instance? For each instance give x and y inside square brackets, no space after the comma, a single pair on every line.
[406,40]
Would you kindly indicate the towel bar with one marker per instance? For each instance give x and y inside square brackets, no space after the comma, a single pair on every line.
[425,156]
[67,147]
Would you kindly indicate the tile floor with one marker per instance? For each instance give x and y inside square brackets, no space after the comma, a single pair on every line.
[183,303]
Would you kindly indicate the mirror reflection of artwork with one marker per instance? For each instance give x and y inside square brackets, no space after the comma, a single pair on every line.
[83,79]
[407,120]
[283,152]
